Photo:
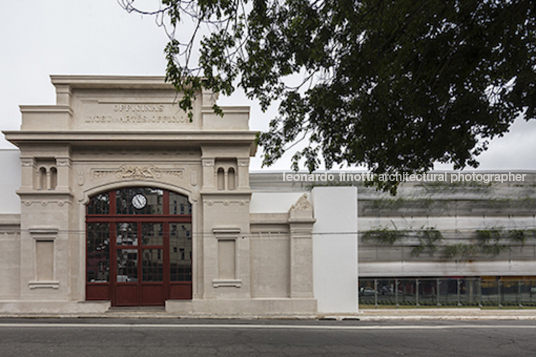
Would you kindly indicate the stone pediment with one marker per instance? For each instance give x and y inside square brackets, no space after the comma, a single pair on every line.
[302,210]
[302,204]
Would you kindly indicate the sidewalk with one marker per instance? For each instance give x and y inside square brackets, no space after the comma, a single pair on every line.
[441,314]
[363,315]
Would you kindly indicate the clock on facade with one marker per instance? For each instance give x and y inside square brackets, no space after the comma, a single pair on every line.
[139,201]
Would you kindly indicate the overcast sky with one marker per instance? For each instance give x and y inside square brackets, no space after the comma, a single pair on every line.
[39,38]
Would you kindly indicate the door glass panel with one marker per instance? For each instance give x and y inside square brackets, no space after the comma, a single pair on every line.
[152,233]
[98,253]
[180,251]
[127,233]
[127,265]
[152,264]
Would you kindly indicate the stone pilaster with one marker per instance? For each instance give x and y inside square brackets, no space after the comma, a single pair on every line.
[301,248]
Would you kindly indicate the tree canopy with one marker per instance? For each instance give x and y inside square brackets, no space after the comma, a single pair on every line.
[394,85]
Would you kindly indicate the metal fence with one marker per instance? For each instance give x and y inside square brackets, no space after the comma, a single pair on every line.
[446,292]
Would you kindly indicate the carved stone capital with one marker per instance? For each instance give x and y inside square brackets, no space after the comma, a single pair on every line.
[28,162]
[63,162]
[243,162]
[208,162]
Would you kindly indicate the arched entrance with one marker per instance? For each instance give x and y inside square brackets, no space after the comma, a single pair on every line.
[139,247]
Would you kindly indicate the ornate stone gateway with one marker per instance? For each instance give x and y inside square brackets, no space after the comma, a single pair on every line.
[139,247]
[126,200]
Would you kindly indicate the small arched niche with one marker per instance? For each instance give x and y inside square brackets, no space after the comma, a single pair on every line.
[42,179]
[231,178]
[53,178]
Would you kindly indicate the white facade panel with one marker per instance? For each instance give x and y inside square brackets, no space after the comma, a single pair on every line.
[335,249]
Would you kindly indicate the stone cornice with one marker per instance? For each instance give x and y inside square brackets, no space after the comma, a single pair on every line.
[46,109]
[84,138]
[196,135]
[236,193]
[44,193]
[111,82]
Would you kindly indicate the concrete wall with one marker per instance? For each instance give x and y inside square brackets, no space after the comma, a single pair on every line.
[10,181]
[9,256]
[273,202]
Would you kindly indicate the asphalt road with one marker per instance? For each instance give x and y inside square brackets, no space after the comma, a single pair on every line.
[172,337]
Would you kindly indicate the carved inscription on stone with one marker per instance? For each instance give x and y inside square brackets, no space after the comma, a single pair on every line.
[134,113]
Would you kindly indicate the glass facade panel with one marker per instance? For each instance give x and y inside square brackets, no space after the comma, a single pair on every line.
[527,292]
[485,292]
[98,253]
[427,290]
[469,292]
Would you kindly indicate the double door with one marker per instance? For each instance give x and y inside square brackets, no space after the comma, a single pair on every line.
[140,260]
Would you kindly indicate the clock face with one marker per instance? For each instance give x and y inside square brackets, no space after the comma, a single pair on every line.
[139,201]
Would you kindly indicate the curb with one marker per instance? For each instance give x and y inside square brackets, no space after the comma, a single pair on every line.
[362,316]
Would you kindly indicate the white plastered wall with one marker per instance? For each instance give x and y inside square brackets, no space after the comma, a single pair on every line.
[335,249]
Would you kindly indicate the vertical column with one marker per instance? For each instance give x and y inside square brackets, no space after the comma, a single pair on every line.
[28,173]
[335,249]
[64,166]
[301,249]
[243,174]
[49,180]
[63,94]
[208,174]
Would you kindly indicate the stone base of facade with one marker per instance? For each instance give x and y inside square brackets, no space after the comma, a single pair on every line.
[297,308]
[54,307]
[243,308]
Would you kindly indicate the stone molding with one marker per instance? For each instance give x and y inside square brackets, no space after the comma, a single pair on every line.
[44,285]
[225,202]
[226,283]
